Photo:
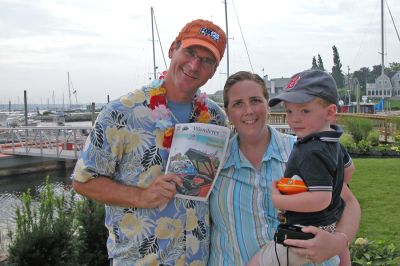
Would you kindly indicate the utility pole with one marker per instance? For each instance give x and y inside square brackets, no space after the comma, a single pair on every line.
[227,40]
[357,87]
[382,44]
[348,84]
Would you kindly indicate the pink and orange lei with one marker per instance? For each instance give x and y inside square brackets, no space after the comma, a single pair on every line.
[163,116]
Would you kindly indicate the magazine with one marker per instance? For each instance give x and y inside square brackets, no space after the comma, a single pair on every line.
[197,154]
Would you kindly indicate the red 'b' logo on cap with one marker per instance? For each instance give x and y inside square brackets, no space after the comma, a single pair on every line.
[293,82]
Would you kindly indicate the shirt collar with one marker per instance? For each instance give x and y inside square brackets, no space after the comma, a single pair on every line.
[327,136]
[278,148]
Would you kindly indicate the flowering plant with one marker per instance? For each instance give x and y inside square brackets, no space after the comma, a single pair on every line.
[163,116]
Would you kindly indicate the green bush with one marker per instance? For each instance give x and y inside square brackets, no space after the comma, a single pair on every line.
[92,233]
[44,235]
[58,231]
[359,128]
[362,147]
[346,140]
[373,137]
[365,252]
[396,137]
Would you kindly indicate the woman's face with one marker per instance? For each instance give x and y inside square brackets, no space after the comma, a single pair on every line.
[247,109]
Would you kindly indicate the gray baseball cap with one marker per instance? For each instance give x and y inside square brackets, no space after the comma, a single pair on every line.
[303,87]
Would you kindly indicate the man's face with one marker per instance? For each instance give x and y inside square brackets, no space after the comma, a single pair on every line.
[190,69]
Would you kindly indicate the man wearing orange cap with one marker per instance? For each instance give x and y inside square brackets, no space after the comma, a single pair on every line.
[125,156]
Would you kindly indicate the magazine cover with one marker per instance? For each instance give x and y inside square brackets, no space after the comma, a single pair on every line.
[196,155]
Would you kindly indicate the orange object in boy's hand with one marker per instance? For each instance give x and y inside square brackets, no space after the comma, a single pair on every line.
[291,185]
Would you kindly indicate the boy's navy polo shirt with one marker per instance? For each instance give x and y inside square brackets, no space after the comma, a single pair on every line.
[319,160]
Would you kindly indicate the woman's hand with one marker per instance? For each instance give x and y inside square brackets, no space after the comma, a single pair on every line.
[323,246]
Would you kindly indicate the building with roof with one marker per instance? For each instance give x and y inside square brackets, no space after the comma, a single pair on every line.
[275,85]
[385,86]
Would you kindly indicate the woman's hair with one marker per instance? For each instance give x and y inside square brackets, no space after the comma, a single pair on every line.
[242,76]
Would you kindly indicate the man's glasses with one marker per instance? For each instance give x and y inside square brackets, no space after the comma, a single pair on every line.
[205,62]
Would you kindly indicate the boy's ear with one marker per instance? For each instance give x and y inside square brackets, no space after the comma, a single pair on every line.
[331,112]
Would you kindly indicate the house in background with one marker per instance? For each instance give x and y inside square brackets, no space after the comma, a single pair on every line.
[217,97]
[276,85]
[385,86]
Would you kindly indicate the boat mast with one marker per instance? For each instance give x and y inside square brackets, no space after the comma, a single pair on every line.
[152,39]
[227,40]
[69,93]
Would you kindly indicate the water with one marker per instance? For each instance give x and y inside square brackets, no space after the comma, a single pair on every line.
[11,189]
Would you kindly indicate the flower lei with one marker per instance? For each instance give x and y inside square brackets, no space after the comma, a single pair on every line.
[163,116]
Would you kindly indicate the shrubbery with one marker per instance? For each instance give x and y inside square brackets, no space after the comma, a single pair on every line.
[58,231]
[365,252]
[359,128]
[92,232]
[373,137]
[361,139]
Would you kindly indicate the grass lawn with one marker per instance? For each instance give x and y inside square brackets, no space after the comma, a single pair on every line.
[376,184]
[394,104]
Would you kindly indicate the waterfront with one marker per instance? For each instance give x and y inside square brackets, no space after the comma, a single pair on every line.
[12,187]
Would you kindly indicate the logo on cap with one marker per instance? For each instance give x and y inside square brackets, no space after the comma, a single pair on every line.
[293,82]
[210,33]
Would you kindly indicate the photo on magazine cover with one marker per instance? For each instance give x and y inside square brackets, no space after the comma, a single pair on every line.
[196,155]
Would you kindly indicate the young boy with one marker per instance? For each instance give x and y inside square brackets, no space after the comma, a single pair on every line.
[317,158]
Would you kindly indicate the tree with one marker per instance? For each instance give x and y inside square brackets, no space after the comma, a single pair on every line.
[314,63]
[320,63]
[362,76]
[337,73]
[375,73]
[394,66]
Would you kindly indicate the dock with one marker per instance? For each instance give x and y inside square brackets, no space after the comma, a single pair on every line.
[61,142]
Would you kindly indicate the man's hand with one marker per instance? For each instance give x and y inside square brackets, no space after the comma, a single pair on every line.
[160,192]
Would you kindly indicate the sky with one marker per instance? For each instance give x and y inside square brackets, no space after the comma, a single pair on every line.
[106,47]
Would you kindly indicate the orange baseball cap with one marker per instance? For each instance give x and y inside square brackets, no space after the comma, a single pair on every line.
[206,34]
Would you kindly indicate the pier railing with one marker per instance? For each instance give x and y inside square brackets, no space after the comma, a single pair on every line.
[386,125]
[58,142]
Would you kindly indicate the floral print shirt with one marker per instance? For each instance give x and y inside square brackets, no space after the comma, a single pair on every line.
[126,146]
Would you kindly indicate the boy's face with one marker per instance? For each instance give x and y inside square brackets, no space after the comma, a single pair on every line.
[308,118]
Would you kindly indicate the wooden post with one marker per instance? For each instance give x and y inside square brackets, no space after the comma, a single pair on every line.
[93,112]
[25,108]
